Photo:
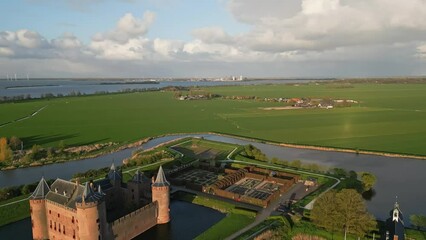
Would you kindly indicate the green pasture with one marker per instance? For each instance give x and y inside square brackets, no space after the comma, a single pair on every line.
[388,118]
[204,149]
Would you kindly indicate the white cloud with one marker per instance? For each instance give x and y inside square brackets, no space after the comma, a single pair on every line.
[287,38]
[67,41]
[167,48]
[127,27]
[212,35]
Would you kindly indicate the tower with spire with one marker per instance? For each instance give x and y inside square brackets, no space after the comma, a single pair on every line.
[38,210]
[161,195]
[395,224]
[91,213]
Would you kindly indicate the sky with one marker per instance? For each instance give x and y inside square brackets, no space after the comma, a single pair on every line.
[213,38]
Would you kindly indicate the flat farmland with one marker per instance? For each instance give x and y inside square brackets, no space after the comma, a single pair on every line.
[388,118]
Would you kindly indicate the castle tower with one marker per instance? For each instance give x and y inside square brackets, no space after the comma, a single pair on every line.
[38,211]
[114,176]
[161,194]
[91,215]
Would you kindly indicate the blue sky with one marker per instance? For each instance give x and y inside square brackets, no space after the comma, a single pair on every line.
[213,38]
[174,19]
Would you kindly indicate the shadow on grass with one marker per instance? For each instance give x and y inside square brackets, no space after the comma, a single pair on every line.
[53,140]
[46,139]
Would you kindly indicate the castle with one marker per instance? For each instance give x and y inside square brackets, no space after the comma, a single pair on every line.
[103,209]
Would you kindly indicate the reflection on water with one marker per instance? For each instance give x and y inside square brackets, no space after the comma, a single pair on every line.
[402,177]
[188,221]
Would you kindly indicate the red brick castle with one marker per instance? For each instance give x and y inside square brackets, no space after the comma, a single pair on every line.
[104,209]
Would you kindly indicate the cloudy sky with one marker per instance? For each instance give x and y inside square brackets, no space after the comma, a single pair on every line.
[212,38]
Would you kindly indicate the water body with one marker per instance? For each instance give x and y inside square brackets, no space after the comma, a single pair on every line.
[188,221]
[37,87]
[402,177]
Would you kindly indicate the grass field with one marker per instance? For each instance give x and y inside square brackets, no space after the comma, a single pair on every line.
[14,212]
[204,149]
[389,118]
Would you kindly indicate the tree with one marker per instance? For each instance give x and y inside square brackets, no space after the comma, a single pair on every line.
[368,180]
[324,212]
[6,153]
[352,213]
[418,221]
[345,211]
[15,143]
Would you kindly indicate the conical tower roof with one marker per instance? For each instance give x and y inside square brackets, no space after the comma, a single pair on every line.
[41,190]
[161,180]
[89,195]
[113,174]
[139,177]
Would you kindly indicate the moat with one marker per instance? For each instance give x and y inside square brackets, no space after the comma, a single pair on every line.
[188,221]
[393,174]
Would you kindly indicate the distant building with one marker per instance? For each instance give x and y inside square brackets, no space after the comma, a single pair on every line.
[395,224]
[104,209]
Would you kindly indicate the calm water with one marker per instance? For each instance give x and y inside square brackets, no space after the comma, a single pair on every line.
[400,177]
[37,87]
[188,221]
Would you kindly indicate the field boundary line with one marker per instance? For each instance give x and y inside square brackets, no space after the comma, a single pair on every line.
[23,118]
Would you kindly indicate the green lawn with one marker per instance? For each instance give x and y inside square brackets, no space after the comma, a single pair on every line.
[14,212]
[389,117]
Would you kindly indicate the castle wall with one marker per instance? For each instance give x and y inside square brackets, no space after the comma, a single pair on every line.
[135,223]
[38,219]
[61,221]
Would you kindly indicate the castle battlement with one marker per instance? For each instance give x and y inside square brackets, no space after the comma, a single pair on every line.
[61,206]
[135,213]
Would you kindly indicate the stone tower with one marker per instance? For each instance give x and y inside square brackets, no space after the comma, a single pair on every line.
[38,211]
[91,215]
[161,194]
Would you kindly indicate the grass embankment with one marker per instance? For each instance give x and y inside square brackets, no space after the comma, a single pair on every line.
[236,218]
[389,117]
[14,212]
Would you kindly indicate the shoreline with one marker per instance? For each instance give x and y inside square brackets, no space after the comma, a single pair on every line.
[289,145]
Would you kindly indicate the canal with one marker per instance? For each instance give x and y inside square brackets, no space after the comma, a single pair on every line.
[402,177]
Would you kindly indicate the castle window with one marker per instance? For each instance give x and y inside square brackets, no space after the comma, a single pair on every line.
[72,220]
[55,226]
[50,211]
[31,210]
[63,230]
[59,227]
[73,233]
[50,224]
[97,220]
[59,215]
